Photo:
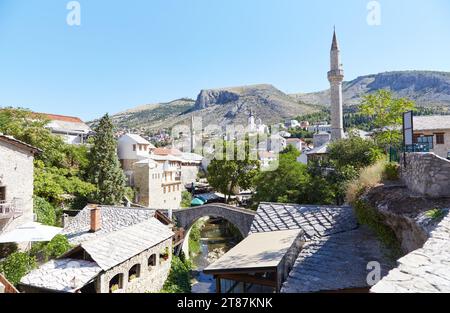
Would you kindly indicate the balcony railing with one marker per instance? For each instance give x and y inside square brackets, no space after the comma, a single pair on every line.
[9,209]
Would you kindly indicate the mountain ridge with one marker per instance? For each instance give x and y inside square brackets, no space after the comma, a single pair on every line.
[223,106]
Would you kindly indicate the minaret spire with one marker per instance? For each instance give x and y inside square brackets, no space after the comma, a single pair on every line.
[336,77]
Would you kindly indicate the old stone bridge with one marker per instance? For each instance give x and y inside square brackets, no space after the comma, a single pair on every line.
[242,219]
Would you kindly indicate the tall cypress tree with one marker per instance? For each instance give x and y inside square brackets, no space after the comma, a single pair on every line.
[105,171]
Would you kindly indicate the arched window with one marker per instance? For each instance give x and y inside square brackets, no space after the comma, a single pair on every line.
[134,272]
[116,283]
[152,261]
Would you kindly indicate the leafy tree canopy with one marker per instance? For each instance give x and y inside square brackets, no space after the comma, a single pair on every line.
[386,112]
[234,169]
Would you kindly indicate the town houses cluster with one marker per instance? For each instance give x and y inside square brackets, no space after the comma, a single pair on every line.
[129,248]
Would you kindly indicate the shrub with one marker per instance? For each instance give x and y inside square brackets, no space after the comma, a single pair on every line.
[56,247]
[186,199]
[368,177]
[391,171]
[436,214]
[17,265]
[179,280]
[194,239]
[45,211]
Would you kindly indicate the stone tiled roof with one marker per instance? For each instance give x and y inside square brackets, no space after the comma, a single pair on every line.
[315,221]
[116,247]
[426,270]
[336,262]
[335,252]
[112,219]
[436,122]
[65,275]
[18,143]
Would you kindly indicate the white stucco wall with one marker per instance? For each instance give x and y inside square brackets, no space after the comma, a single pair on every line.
[16,174]
[153,187]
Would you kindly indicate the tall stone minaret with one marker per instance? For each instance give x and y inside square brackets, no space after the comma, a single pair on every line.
[336,76]
[193,143]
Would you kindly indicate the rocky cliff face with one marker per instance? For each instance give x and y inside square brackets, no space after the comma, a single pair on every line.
[425,87]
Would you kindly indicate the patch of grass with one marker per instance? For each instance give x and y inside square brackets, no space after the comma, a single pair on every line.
[367,215]
[368,177]
[436,214]
[391,171]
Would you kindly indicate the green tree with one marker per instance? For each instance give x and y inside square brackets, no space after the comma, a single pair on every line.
[386,113]
[286,184]
[16,266]
[186,199]
[45,211]
[104,169]
[235,169]
[354,151]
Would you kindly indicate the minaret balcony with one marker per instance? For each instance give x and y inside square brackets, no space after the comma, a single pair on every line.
[336,75]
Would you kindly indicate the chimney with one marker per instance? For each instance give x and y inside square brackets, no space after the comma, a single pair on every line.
[96,220]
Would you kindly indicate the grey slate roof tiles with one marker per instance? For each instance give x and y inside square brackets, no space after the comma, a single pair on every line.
[112,219]
[117,247]
[315,221]
[66,275]
[336,262]
[335,252]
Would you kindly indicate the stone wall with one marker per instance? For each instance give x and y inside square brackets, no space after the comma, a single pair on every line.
[427,174]
[151,279]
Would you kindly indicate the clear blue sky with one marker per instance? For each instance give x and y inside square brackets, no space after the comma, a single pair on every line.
[128,53]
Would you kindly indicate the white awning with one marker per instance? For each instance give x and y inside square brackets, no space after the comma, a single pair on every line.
[30,232]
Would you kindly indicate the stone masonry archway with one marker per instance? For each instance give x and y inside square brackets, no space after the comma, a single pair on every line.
[242,219]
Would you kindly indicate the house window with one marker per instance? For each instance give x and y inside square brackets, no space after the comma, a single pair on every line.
[134,272]
[2,193]
[134,147]
[440,140]
[116,283]
[426,140]
[151,261]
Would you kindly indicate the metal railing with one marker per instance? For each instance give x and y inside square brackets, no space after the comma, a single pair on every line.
[9,209]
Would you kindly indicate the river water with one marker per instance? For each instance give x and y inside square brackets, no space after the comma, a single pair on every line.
[217,238]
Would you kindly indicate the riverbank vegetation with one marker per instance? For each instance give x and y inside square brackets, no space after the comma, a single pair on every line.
[179,279]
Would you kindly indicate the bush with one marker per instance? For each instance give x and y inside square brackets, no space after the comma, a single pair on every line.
[45,211]
[368,177]
[56,247]
[7,249]
[194,239]
[16,266]
[179,280]
[186,199]
[391,171]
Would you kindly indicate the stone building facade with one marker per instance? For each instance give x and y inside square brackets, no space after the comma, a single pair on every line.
[16,183]
[158,183]
[116,250]
[151,277]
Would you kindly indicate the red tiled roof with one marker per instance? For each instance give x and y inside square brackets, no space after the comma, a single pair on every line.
[55,117]
[166,151]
